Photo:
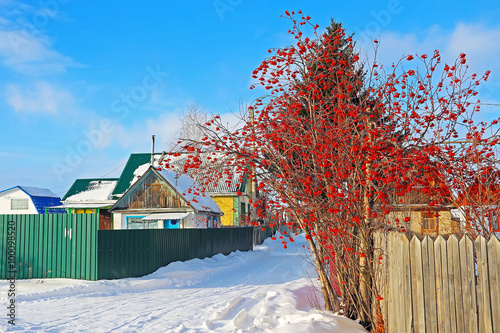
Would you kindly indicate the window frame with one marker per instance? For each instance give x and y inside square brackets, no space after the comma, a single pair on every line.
[25,206]
[429,217]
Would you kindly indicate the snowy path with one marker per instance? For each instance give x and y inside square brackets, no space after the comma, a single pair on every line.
[266,290]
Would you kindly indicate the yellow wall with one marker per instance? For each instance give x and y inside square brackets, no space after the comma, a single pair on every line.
[446,225]
[226,205]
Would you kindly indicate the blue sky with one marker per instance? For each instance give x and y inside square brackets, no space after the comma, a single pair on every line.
[84,84]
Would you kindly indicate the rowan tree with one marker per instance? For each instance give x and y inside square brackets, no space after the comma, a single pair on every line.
[336,142]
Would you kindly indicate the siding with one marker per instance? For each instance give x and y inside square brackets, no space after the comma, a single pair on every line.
[226,205]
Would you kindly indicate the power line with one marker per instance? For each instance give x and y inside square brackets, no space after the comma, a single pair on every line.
[113,170]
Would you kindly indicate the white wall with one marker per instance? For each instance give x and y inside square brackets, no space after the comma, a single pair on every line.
[199,221]
[15,193]
[120,219]
[190,221]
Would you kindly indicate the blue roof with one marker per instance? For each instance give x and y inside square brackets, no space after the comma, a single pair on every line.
[41,197]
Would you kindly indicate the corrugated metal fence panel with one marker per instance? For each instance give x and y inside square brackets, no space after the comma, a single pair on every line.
[51,246]
[132,253]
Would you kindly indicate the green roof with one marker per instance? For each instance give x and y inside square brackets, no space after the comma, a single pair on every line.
[81,185]
[134,161]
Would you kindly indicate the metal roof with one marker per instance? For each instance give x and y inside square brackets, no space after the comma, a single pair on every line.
[124,182]
[34,191]
[82,185]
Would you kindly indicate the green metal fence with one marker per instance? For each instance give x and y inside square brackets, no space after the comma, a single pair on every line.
[129,253]
[71,246]
[49,246]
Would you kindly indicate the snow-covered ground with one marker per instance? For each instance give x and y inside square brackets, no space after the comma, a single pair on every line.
[270,289]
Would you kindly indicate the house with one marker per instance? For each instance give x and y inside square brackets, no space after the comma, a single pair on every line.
[91,196]
[231,195]
[418,214]
[164,199]
[478,206]
[27,200]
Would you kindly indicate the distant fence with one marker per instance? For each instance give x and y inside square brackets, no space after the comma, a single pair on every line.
[439,286]
[261,233]
[132,253]
[71,246]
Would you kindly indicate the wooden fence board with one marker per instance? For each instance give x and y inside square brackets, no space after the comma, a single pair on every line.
[399,287]
[391,280]
[454,284]
[429,274]
[468,284]
[494,277]
[406,273]
[442,287]
[483,286]
[417,286]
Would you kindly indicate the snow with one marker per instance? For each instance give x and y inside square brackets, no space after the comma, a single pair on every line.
[269,289]
[186,186]
[140,171]
[38,192]
[98,190]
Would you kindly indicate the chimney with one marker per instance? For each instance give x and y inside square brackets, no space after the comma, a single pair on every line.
[152,150]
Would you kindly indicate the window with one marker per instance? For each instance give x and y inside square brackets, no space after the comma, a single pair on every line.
[137,223]
[85,211]
[429,222]
[19,204]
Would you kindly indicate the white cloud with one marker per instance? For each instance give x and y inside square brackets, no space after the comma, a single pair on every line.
[479,42]
[39,97]
[31,55]
[137,137]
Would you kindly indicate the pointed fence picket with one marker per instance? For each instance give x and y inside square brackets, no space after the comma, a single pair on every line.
[439,285]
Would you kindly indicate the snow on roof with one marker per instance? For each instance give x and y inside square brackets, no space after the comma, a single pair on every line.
[186,186]
[97,190]
[38,192]
[141,169]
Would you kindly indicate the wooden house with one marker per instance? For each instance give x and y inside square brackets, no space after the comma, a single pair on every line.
[27,200]
[165,199]
[425,217]
[231,195]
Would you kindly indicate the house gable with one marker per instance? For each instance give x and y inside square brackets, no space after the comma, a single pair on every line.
[149,192]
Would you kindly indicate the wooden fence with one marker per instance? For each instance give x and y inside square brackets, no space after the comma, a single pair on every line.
[439,285]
